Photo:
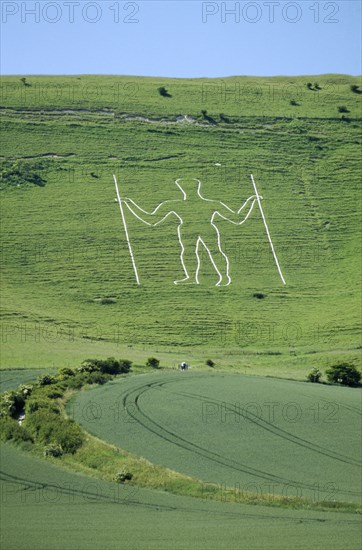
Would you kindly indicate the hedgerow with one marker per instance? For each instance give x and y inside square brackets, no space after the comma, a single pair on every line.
[33,413]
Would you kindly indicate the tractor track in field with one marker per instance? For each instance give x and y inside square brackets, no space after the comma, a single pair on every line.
[150,425]
[26,484]
[280,432]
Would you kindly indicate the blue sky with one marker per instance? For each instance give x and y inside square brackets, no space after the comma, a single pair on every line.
[188,38]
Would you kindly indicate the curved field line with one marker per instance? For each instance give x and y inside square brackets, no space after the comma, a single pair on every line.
[280,432]
[95,496]
[201,451]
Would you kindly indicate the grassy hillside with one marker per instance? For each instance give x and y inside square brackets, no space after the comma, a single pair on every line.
[68,285]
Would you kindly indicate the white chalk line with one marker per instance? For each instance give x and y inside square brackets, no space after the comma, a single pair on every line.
[126,231]
[199,239]
[267,231]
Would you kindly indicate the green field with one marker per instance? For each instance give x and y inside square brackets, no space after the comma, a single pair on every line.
[44,507]
[68,285]
[72,510]
[249,433]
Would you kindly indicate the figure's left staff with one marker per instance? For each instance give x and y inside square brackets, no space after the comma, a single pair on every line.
[126,231]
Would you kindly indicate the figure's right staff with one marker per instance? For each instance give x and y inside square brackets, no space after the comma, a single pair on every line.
[267,230]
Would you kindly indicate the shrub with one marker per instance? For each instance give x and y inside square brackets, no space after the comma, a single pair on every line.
[22,172]
[293,102]
[107,301]
[112,366]
[26,390]
[65,373]
[40,402]
[310,86]
[123,476]
[316,86]
[24,82]
[345,374]
[48,427]
[53,450]
[355,89]
[10,429]
[106,366]
[224,118]
[259,295]
[77,381]
[89,365]
[153,363]
[12,403]
[95,378]
[55,392]
[68,435]
[163,92]
[314,376]
[343,109]
[210,363]
[46,380]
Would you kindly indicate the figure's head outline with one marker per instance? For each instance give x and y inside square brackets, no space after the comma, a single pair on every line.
[183,191]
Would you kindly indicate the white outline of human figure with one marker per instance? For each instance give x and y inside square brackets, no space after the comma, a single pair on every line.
[225,214]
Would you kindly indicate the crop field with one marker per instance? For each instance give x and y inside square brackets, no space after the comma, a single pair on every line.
[248,433]
[75,511]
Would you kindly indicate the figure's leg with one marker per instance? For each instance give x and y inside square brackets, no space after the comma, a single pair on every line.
[188,257]
[218,258]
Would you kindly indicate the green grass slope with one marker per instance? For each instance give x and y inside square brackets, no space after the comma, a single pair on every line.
[68,285]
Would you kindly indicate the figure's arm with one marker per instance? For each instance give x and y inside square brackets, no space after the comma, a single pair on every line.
[158,215]
[238,217]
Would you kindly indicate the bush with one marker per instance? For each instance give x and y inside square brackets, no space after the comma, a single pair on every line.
[294,103]
[48,427]
[24,82]
[53,450]
[26,390]
[163,92]
[65,373]
[108,301]
[22,172]
[46,380]
[259,295]
[77,381]
[121,477]
[314,376]
[355,89]
[224,118]
[95,378]
[345,374]
[89,365]
[210,363]
[153,363]
[106,366]
[36,403]
[12,403]
[10,429]
[68,435]
[343,109]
